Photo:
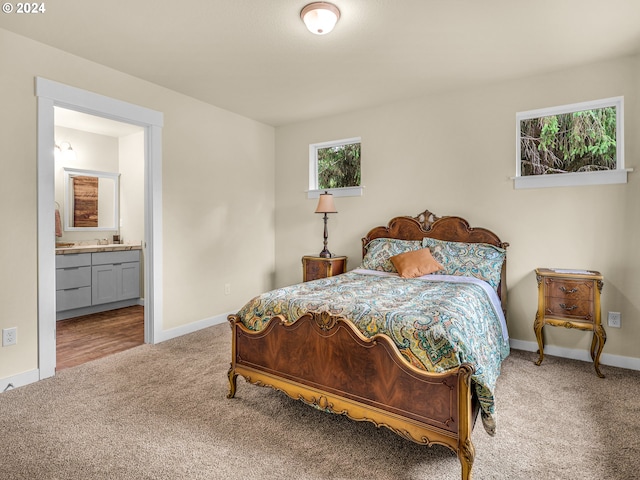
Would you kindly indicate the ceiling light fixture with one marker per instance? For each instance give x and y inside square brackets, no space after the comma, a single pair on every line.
[320,17]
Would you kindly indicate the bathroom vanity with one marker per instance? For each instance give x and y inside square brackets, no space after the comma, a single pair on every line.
[96,278]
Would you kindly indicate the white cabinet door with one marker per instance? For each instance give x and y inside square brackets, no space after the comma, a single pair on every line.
[104,284]
[114,282]
[128,275]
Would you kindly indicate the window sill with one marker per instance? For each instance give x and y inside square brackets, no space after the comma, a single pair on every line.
[337,192]
[606,177]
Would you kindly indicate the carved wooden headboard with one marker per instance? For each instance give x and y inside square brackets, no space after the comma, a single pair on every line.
[452,229]
[426,219]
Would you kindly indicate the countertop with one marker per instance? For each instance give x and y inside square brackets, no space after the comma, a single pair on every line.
[96,248]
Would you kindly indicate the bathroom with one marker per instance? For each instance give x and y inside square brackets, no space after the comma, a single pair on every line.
[99,202]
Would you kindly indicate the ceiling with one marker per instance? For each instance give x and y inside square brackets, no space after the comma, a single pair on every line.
[256,58]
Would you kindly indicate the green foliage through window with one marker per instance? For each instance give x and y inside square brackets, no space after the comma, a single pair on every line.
[582,141]
[339,166]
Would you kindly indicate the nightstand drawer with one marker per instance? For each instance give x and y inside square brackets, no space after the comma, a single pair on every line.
[575,309]
[567,289]
[314,268]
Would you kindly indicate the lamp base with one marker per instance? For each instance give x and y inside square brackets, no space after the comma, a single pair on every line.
[325,253]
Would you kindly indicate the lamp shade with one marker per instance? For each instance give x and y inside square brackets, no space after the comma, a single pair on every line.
[320,17]
[325,204]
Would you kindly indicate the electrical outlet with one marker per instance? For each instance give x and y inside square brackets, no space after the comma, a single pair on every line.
[227,289]
[9,336]
[615,319]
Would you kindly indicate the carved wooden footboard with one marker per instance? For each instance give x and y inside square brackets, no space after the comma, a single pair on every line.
[326,362]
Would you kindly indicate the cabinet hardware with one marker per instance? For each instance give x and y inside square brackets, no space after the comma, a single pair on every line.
[572,307]
[566,290]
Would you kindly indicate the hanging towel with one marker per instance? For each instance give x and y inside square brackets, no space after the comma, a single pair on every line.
[58,224]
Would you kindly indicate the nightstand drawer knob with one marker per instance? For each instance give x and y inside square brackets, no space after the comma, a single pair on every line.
[566,290]
[564,306]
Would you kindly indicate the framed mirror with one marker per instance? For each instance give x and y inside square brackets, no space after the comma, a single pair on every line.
[91,200]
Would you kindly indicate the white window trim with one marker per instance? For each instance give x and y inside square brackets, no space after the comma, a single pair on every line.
[337,192]
[605,177]
[314,191]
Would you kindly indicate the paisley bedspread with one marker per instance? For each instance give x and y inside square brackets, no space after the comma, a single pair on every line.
[436,321]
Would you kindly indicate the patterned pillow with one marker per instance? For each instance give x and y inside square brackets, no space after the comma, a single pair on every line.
[380,250]
[479,260]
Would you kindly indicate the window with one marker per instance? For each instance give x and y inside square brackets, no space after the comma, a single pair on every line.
[335,166]
[578,144]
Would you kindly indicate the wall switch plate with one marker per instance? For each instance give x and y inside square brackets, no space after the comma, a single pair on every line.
[9,336]
[615,319]
[227,289]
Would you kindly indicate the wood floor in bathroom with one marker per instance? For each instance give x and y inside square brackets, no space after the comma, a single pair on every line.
[86,338]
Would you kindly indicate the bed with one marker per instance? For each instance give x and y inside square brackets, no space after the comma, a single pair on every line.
[418,355]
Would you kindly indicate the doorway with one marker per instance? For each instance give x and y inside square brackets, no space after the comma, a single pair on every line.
[53,94]
[108,205]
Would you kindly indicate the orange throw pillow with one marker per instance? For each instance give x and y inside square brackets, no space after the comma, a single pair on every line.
[416,263]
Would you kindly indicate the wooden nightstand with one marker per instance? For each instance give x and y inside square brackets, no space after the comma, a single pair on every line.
[570,299]
[320,267]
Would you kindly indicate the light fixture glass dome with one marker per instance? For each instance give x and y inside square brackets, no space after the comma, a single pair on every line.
[320,17]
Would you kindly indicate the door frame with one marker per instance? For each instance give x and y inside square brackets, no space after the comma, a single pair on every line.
[52,94]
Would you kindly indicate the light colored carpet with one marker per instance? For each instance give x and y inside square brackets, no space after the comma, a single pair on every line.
[161,412]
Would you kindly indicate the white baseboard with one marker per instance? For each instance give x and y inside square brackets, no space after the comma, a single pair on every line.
[630,363]
[192,327]
[20,380]
[32,376]
[77,312]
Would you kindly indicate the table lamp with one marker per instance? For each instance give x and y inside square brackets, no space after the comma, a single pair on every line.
[325,205]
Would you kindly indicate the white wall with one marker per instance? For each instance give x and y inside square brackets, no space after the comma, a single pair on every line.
[453,154]
[131,168]
[131,164]
[218,195]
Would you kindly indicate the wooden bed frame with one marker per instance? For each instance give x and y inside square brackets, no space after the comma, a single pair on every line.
[326,362]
